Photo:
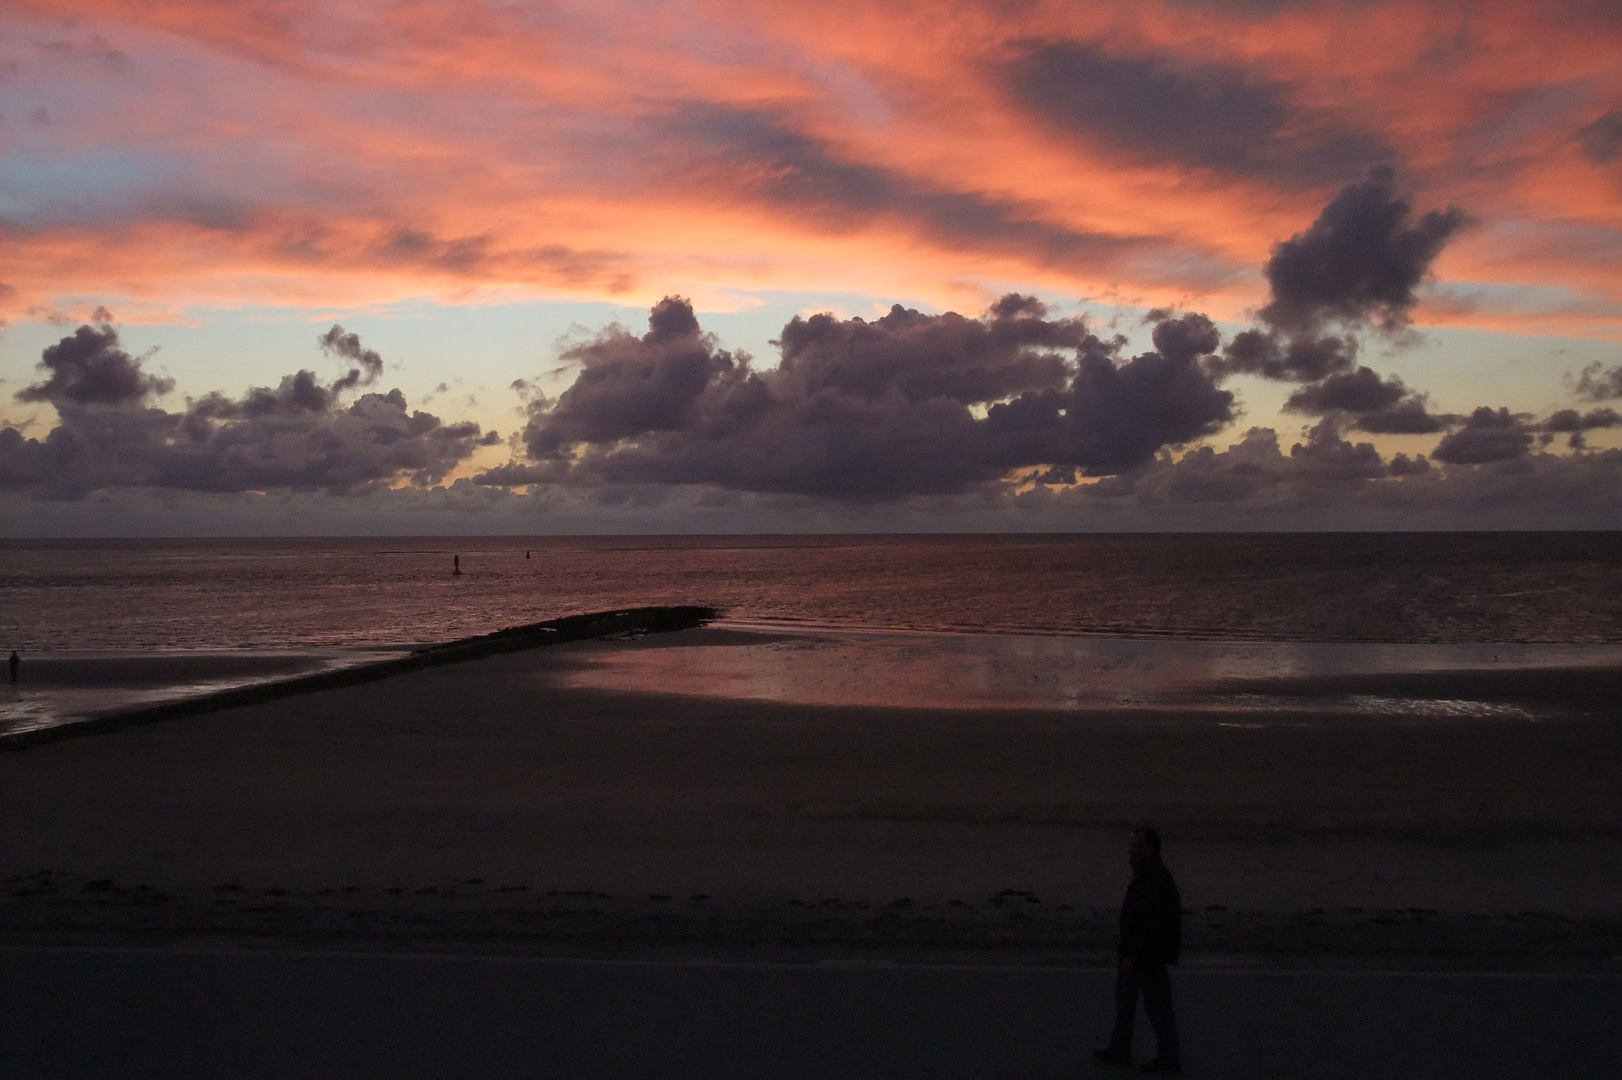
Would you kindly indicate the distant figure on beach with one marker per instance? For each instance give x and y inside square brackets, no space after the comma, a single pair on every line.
[456,566]
[14,663]
[526,554]
[1151,939]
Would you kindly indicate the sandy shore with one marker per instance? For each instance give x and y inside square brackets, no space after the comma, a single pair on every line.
[483,803]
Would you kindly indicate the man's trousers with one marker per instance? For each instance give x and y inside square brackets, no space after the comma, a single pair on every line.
[1155,983]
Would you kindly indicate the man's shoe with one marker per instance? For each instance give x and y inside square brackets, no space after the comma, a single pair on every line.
[1160,1064]
[1111,1056]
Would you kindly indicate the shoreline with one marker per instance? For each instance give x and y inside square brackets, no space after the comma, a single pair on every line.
[568,628]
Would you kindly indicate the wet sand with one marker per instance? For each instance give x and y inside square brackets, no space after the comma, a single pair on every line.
[485,804]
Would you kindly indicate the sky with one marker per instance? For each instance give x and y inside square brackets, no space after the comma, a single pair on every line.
[358,267]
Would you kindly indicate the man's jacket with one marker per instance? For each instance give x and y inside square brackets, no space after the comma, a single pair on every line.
[1152,916]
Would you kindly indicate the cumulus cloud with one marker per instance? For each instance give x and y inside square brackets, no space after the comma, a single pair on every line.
[1357,267]
[1326,480]
[335,342]
[1117,413]
[1360,262]
[1410,416]
[1377,405]
[1487,435]
[1597,383]
[1576,425]
[1265,353]
[89,368]
[1572,420]
[908,404]
[1354,391]
[299,435]
[912,405]
[1253,469]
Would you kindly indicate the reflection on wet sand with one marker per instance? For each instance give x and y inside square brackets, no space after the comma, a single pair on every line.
[845,667]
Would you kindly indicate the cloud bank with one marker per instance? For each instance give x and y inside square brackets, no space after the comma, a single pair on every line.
[908,404]
[300,435]
[913,406]
[1015,412]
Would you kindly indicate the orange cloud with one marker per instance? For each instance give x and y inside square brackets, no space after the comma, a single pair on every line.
[292,152]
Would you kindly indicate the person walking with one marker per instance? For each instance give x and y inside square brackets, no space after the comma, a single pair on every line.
[1151,940]
[14,663]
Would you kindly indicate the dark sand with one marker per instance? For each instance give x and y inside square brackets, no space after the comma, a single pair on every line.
[181,1014]
[477,805]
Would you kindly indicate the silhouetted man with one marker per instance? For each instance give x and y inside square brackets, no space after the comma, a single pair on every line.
[14,663]
[1151,938]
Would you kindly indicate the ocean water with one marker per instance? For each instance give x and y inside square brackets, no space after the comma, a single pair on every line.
[237,594]
[938,619]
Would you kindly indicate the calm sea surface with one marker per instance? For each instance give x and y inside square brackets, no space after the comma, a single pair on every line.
[234,594]
[1043,621]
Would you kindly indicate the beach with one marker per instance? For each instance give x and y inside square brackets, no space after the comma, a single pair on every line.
[490,804]
[431,1015]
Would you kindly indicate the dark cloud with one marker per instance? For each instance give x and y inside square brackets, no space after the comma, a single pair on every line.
[629,386]
[1357,391]
[1377,405]
[1356,267]
[1571,420]
[931,405]
[1014,305]
[335,342]
[1411,416]
[475,256]
[89,368]
[1328,482]
[297,436]
[1487,436]
[909,404]
[807,177]
[1327,459]
[1403,465]
[1595,383]
[1305,359]
[1359,263]
[1602,140]
[1201,114]
[1253,469]
[913,405]
[1116,414]
[1260,487]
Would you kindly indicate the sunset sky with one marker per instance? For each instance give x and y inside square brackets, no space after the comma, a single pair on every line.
[299,267]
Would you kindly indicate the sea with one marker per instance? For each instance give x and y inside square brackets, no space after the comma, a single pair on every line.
[1046,621]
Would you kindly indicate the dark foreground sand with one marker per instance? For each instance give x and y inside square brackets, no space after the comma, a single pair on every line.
[176,1014]
[478,806]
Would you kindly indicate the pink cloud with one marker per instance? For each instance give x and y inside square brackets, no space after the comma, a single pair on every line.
[278,152]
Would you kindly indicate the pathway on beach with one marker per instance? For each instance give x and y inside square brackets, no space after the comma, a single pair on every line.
[131,1013]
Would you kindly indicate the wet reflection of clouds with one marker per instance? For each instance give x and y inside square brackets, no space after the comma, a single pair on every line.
[861,667]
